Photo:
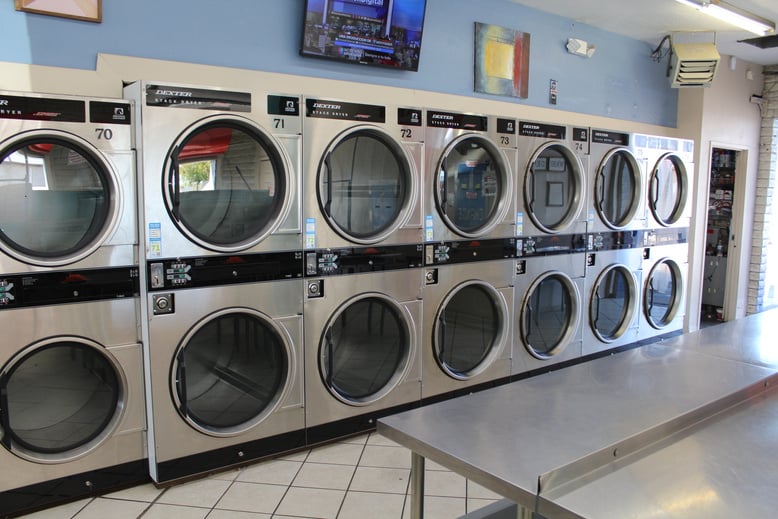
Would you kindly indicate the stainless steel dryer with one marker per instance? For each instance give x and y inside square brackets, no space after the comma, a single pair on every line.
[665,279]
[468,316]
[221,312]
[471,160]
[363,318]
[67,183]
[219,170]
[363,168]
[548,291]
[617,184]
[72,413]
[553,161]
[670,169]
[614,263]
[225,361]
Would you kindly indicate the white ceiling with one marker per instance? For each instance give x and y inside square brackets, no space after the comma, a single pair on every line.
[651,20]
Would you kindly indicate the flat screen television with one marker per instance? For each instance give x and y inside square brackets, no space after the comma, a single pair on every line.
[385,33]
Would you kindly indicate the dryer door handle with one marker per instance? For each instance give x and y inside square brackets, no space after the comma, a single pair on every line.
[601,191]
[653,191]
[442,336]
[173,184]
[531,202]
[5,420]
[330,360]
[181,383]
[444,190]
[328,201]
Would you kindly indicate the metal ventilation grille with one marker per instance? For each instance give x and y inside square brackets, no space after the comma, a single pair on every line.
[693,65]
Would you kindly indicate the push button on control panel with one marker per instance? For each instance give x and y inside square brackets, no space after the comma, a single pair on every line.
[6,292]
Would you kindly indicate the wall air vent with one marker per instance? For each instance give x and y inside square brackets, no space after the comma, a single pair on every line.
[693,64]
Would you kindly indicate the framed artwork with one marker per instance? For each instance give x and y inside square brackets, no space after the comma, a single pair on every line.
[501,61]
[88,10]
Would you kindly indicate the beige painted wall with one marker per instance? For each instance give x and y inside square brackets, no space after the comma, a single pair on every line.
[723,116]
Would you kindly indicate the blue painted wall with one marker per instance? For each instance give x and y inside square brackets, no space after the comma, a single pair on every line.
[619,81]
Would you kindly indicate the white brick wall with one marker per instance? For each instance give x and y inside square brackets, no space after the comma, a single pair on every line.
[766,182]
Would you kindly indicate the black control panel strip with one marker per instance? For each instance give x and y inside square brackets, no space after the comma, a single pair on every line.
[469,251]
[68,286]
[666,236]
[198,272]
[356,260]
[615,240]
[550,245]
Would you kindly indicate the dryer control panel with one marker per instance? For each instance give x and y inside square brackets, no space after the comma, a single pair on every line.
[355,260]
[223,270]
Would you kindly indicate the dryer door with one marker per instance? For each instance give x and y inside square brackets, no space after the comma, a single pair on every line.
[59,198]
[470,329]
[663,293]
[231,371]
[553,187]
[59,399]
[613,303]
[366,185]
[618,189]
[473,186]
[668,189]
[227,184]
[365,349]
[550,314]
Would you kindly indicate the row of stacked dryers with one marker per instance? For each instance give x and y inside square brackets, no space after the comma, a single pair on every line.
[193,278]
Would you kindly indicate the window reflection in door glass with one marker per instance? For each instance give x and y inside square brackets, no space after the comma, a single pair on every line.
[364,184]
[467,330]
[364,349]
[469,185]
[615,189]
[55,198]
[611,304]
[548,315]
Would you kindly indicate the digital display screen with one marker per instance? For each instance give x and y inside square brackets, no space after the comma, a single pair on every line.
[373,32]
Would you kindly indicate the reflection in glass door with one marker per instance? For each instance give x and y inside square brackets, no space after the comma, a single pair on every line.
[553,188]
[57,200]
[59,399]
[364,350]
[229,372]
[618,189]
[549,315]
[662,295]
[365,186]
[469,330]
[613,303]
[226,185]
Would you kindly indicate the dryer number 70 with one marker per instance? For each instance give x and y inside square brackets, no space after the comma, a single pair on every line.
[105,134]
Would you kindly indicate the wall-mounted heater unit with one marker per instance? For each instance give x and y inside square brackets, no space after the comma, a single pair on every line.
[693,64]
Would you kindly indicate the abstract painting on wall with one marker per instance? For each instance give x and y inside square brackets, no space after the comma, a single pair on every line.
[88,10]
[501,61]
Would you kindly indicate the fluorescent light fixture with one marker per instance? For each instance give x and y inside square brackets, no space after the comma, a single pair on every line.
[733,15]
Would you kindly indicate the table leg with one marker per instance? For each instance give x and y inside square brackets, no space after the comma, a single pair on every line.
[417,486]
[523,513]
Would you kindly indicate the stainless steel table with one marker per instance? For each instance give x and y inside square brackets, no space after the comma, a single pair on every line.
[652,432]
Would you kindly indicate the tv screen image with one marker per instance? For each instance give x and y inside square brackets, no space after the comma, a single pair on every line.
[374,32]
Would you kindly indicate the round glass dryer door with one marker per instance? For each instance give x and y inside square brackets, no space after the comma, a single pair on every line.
[230,372]
[365,349]
[58,199]
[613,303]
[473,183]
[60,399]
[469,330]
[365,185]
[618,189]
[550,315]
[663,293]
[227,185]
[553,187]
[668,189]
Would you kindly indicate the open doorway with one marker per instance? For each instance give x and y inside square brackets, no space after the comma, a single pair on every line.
[724,165]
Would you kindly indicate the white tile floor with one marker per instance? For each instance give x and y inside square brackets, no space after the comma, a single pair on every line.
[363,477]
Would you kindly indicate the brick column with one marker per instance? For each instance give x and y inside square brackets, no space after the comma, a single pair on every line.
[766,181]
